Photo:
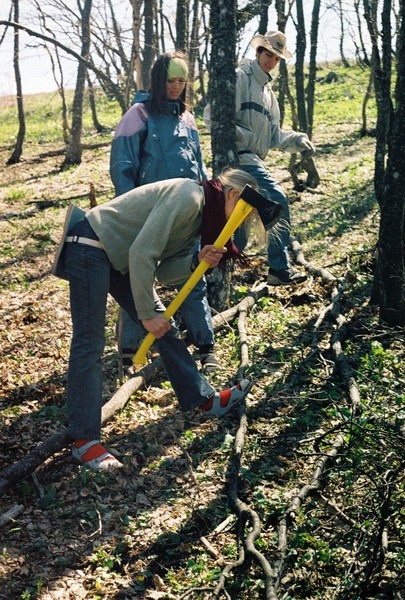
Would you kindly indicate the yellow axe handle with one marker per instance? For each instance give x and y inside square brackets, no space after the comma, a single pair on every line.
[239,214]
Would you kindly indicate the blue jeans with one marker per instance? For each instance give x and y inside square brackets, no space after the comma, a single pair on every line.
[195,312]
[91,278]
[279,236]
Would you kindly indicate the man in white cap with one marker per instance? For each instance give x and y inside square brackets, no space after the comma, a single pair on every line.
[257,131]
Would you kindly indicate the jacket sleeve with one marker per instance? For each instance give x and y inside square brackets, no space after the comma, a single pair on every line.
[244,134]
[288,141]
[198,153]
[126,149]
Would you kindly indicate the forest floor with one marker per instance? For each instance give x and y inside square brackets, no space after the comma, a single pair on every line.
[321,461]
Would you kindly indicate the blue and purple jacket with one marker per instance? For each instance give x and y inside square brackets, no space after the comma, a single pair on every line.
[147,148]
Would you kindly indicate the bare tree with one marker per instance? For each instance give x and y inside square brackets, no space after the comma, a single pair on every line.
[342,34]
[182,11]
[223,77]
[194,46]
[223,118]
[151,43]
[389,176]
[299,67]
[264,16]
[92,101]
[74,150]
[17,152]
[312,66]
[136,63]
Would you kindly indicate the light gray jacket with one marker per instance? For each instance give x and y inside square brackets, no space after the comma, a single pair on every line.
[151,231]
[258,116]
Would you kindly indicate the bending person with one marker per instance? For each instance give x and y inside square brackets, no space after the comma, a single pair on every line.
[120,247]
[157,139]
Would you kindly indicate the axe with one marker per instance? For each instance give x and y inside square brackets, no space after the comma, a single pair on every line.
[249,199]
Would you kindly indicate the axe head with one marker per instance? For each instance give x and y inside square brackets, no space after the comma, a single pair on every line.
[269,211]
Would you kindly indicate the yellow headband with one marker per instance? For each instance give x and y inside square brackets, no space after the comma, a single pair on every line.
[177,68]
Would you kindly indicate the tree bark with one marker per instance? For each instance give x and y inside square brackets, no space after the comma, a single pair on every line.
[223,119]
[382,82]
[92,100]
[312,66]
[283,72]
[149,53]
[222,84]
[391,242]
[264,16]
[342,35]
[299,68]
[16,155]
[182,25]
[367,96]
[74,149]
[136,44]
[193,53]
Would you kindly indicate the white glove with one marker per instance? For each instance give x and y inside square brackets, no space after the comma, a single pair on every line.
[307,146]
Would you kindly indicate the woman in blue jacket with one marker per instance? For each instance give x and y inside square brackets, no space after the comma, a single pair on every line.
[157,139]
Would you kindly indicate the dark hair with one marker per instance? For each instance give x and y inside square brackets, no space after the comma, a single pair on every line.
[158,78]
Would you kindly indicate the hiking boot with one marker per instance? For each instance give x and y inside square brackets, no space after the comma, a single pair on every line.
[285,277]
[209,362]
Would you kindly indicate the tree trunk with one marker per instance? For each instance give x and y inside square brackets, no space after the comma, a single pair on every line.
[182,25]
[223,77]
[382,84]
[136,44]
[162,27]
[194,46]
[264,16]
[391,242]
[283,72]
[223,118]
[219,286]
[16,155]
[149,53]
[74,149]
[342,34]
[367,96]
[312,66]
[299,68]
[92,100]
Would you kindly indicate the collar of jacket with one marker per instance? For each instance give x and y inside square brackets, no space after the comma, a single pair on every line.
[174,107]
[260,75]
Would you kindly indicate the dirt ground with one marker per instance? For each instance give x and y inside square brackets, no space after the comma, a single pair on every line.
[165,527]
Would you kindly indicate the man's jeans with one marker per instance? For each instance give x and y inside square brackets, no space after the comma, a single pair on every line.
[91,278]
[279,236]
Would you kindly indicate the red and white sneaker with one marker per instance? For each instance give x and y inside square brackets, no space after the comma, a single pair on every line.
[94,456]
[223,402]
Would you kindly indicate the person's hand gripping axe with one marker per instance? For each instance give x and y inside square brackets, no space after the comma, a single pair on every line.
[249,199]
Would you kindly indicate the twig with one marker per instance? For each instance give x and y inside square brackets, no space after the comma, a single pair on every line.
[213,551]
[310,267]
[100,525]
[39,487]
[295,505]
[11,514]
